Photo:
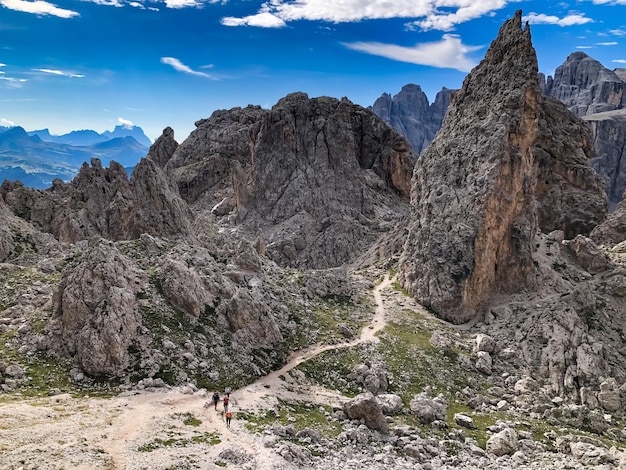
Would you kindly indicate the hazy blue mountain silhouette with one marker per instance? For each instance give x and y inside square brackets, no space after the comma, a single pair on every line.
[36,162]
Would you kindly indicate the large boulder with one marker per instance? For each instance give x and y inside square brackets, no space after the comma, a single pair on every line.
[365,407]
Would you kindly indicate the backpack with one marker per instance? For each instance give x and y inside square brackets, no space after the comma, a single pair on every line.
[226,400]
[229,414]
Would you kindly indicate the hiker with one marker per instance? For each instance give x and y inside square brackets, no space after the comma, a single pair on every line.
[226,401]
[227,391]
[216,398]
[229,416]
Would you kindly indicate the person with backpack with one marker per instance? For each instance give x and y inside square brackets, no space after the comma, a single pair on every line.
[229,416]
[226,401]
[216,399]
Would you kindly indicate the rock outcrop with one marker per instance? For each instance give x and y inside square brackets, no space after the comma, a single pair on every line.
[410,113]
[97,311]
[507,164]
[162,150]
[317,180]
[103,202]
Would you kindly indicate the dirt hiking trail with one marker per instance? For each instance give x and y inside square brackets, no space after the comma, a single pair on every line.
[87,433]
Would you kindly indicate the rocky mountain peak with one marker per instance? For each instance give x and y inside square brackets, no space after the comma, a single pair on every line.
[506,164]
[586,86]
[410,113]
[163,148]
[317,179]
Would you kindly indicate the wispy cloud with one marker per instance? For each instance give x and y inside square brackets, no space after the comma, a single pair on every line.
[450,52]
[6,123]
[619,61]
[190,3]
[38,7]
[569,20]
[618,32]
[181,3]
[179,66]
[12,82]
[607,43]
[108,3]
[609,2]
[60,73]
[584,47]
[429,14]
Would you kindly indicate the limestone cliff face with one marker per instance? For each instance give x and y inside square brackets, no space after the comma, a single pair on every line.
[317,180]
[609,134]
[586,86]
[598,95]
[506,163]
[410,113]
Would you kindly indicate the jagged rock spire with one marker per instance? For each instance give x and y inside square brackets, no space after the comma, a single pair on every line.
[506,163]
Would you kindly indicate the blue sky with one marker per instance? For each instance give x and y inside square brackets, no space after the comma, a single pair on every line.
[94,64]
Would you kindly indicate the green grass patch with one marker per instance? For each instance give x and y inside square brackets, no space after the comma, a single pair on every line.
[331,368]
[301,415]
[210,438]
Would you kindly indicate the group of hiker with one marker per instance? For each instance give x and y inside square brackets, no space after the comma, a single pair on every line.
[228,414]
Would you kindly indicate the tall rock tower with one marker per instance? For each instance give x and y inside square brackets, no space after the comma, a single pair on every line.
[507,163]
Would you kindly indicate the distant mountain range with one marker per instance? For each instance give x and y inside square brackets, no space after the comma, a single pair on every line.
[36,158]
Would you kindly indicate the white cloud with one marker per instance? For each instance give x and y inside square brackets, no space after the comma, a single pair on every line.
[262,20]
[181,3]
[569,20]
[609,2]
[584,47]
[125,123]
[60,73]
[179,66]
[435,14]
[618,32]
[38,7]
[609,43]
[108,3]
[619,61]
[6,123]
[3,65]
[450,52]
[12,82]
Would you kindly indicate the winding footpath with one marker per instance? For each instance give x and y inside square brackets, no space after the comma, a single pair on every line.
[86,433]
[145,410]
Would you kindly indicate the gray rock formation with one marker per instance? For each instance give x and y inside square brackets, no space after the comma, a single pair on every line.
[96,308]
[410,113]
[479,197]
[613,229]
[585,86]
[318,180]
[103,202]
[598,95]
[609,138]
[365,407]
[162,150]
